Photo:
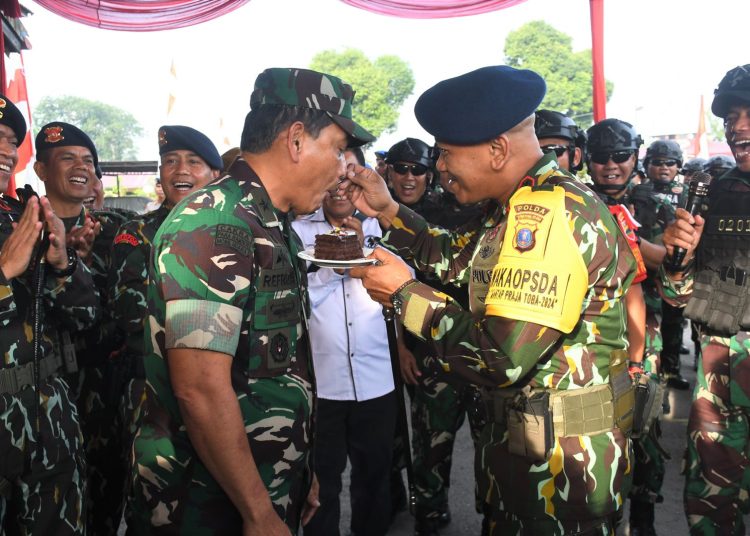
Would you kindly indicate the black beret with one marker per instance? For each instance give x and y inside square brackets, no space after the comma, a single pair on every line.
[59,134]
[480,105]
[734,88]
[12,117]
[182,138]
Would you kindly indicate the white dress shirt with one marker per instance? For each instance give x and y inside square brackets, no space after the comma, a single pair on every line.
[347,330]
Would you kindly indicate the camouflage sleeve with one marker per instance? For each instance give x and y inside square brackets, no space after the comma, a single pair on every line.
[431,249]
[676,293]
[75,299]
[204,269]
[128,283]
[7,301]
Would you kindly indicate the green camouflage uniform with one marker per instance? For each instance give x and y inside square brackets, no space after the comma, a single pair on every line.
[225,263]
[439,404]
[128,282]
[584,483]
[96,385]
[717,458]
[41,448]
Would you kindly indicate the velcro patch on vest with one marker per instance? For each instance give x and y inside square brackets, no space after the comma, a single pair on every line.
[276,279]
[283,310]
[728,225]
[233,237]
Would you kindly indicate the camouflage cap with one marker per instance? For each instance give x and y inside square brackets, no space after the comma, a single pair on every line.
[734,88]
[310,89]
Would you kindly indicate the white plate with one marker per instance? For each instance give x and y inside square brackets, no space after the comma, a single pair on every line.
[309,255]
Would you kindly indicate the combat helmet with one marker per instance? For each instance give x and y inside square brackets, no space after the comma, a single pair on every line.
[733,88]
[693,165]
[611,135]
[717,165]
[667,149]
[551,124]
[411,150]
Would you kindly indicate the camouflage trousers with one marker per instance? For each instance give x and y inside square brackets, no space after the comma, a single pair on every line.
[174,492]
[717,465]
[44,470]
[438,411]
[579,490]
[649,468]
[102,427]
[132,406]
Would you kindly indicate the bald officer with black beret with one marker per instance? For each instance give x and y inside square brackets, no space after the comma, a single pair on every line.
[544,336]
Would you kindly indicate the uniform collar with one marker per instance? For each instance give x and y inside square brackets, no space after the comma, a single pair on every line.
[545,168]
[268,215]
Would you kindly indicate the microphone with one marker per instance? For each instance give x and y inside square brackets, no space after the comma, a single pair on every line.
[697,193]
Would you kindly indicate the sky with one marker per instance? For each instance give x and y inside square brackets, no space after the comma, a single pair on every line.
[661,55]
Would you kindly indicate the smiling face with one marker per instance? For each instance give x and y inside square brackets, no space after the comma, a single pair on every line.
[68,173]
[737,131]
[8,155]
[181,173]
[611,172]
[409,181]
[662,169]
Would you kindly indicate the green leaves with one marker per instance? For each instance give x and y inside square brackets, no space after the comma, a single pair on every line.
[112,129]
[541,48]
[381,86]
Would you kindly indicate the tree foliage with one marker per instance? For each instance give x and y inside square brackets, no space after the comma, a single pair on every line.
[381,86]
[548,51]
[113,130]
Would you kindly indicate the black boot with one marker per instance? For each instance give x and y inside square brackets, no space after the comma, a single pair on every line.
[676,381]
[426,526]
[444,518]
[642,518]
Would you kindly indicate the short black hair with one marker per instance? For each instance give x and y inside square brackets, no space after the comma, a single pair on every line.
[264,123]
[358,154]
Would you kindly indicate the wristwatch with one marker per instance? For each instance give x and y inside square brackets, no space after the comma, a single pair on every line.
[396,300]
[72,265]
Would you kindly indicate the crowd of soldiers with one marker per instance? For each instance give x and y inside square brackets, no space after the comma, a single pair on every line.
[158,368]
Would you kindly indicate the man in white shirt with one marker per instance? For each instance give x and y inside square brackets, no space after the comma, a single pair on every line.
[356,411]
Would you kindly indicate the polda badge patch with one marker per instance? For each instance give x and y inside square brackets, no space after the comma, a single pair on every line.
[528,218]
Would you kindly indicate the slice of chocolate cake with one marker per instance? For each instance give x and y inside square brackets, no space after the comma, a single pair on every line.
[338,245]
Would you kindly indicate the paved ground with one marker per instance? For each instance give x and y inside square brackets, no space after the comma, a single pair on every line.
[670,519]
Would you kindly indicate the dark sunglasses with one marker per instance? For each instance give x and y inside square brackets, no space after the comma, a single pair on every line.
[416,169]
[668,163]
[559,149]
[617,157]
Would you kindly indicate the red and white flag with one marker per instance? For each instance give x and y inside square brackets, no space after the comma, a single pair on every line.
[700,142]
[18,94]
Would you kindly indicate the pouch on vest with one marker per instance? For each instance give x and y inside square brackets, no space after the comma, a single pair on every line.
[623,394]
[530,428]
[649,393]
[719,300]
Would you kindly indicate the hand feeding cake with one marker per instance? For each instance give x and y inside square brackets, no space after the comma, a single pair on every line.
[338,245]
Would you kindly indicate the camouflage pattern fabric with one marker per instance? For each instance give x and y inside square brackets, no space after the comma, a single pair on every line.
[97,384]
[584,483]
[717,459]
[225,262]
[128,283]
[42,458]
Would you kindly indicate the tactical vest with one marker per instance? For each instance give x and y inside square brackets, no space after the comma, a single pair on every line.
[721,294]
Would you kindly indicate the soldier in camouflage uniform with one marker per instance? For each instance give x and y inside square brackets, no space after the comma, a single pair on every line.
[611,157]
[558,133]
[189,161]
[67,162]
[713,282]
[224,443]
[540,469]
[42,463]
[662,162]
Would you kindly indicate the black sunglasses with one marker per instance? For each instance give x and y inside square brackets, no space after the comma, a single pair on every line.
[559,149]
[668,163]
[416,169]
[617,157]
